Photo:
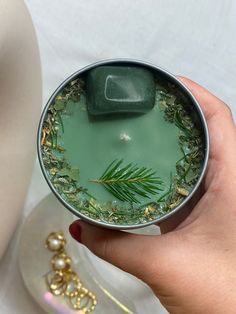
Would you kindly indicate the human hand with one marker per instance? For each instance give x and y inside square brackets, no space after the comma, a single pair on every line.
[191,269]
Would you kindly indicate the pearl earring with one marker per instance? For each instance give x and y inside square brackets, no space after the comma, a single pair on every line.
[55,241]
[61,262]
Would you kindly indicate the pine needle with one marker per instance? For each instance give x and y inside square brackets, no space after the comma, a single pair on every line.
[128,182]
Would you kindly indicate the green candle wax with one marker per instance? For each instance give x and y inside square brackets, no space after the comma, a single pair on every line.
[91,144]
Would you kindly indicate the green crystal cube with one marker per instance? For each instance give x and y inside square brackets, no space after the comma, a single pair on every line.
[119,89]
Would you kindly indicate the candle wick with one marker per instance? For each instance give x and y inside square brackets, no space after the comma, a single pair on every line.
[125,137]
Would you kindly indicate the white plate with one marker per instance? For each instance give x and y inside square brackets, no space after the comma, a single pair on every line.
[116,291]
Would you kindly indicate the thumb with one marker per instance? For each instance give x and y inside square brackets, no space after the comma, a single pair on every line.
[130,252]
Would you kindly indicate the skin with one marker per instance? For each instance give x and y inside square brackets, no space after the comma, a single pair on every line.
[190,267]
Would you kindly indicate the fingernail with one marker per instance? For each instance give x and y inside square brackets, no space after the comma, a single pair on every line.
[75,231]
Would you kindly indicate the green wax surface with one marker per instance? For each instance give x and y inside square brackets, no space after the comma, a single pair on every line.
[93,143]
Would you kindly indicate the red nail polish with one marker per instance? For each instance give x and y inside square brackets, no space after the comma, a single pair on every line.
[75,231]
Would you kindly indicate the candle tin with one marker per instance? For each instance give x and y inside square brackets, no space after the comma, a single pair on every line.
[153,212]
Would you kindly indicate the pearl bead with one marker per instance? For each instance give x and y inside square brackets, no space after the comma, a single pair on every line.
[54,244]
[60,263]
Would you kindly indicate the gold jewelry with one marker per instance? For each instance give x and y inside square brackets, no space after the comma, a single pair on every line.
[63,281]
[55,241]
[85,301]
[56,283]
[61,262]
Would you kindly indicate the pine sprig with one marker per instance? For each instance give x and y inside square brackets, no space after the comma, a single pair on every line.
[128,182]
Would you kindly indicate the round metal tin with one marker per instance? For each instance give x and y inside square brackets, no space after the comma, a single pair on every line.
[185,91]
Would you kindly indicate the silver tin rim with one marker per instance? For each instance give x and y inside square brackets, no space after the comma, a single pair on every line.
[172,78]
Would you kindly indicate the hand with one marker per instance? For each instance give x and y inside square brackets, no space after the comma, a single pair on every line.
[191,269]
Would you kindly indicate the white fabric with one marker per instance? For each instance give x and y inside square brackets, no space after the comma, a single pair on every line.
[187,37]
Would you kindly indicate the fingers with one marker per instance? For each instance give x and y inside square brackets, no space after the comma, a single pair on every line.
[220,122]
[129,252]
[210,104]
